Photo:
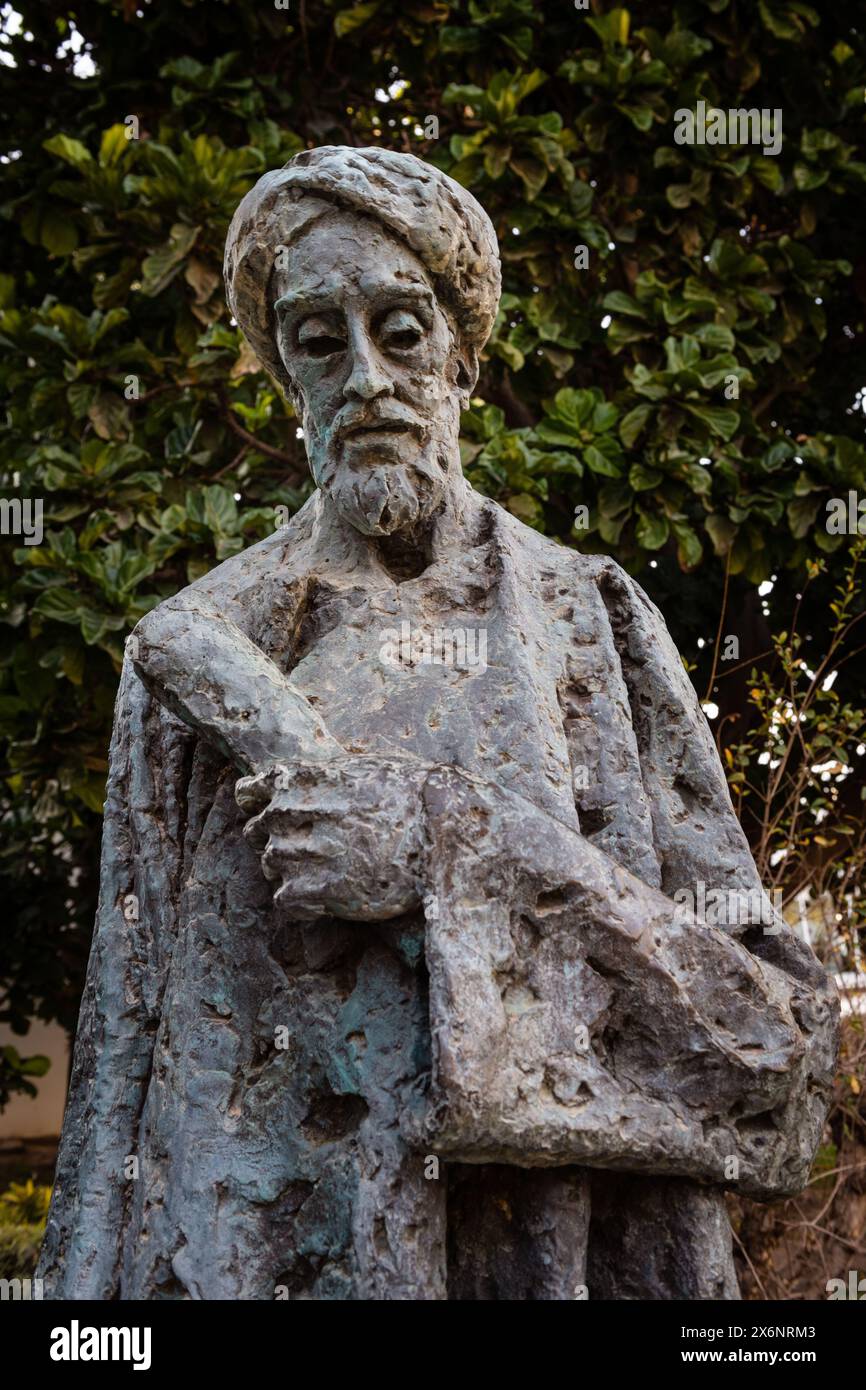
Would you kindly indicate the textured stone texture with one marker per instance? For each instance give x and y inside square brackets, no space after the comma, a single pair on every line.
[636,1251]
[446,889]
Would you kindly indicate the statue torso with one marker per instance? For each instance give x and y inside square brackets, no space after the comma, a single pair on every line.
[326,1115]
[438,667]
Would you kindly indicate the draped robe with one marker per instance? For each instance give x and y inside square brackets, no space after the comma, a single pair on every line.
[263,1108]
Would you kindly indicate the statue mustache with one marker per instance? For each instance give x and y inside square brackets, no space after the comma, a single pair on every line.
[377,417]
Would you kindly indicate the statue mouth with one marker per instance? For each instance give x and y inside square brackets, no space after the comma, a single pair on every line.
[371,430]
[376,430]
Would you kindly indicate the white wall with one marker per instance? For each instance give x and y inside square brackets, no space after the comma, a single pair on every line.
[24,1116]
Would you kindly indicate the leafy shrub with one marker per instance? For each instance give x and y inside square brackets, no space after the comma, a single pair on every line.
[19,1249]
[23,1213]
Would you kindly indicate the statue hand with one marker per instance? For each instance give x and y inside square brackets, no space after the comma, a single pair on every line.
[340,837]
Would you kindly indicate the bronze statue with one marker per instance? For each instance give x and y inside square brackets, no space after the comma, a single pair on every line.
[389,995]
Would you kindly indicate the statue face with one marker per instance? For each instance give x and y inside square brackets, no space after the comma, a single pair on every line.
[373,361]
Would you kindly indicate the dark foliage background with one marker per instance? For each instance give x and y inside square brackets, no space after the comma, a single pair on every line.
[135,411]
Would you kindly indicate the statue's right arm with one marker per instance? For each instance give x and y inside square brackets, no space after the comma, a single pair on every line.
[199,663]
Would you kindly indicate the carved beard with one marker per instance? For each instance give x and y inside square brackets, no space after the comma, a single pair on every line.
[390,498]
[381,499]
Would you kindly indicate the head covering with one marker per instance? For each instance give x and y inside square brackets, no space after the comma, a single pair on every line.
[436,217]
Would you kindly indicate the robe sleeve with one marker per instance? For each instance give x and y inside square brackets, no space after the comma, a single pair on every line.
[140,884]
[696,833]
[577,1015]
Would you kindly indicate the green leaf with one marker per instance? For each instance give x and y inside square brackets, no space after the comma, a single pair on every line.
[604,417]
[632,425]
[720,421]
[802,514]
[109,415]
[532,174]
[220,509]
[600,463]
[160,268]
[113,146]
[618,303]
[806,177]
[643,478]
[58,233]
[70,150]
[347,21]
[641,117]
[652,531]
[682,353]
[689,549]
[60,605]
[716,337]
[767,172]
[722,532]
[679,195]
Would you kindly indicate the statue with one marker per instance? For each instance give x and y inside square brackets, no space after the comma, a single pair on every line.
[393,994]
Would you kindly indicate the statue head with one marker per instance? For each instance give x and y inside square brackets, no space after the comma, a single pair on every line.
[367,283]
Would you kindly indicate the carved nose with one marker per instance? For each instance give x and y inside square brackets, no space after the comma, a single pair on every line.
[367,380]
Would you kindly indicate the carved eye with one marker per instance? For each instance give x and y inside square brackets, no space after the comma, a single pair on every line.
[319,337]
[401,329]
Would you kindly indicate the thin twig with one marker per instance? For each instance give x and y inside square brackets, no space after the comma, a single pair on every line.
[747,1258]
[259,445]
[721,623]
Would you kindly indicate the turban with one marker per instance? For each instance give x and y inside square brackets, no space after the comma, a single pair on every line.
[438,219]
